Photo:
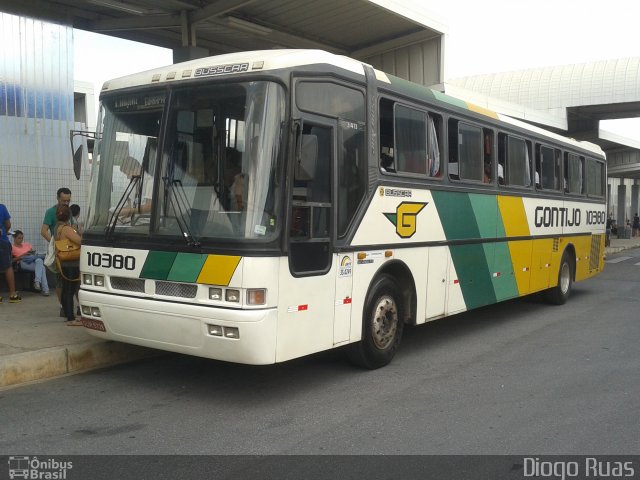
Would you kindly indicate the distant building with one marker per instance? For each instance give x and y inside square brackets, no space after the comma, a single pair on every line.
[39,105]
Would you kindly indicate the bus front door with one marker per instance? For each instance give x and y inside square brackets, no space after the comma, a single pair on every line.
[307,288]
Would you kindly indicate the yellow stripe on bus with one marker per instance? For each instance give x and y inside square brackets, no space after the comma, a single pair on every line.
[218,269]
[482,110]
[514,220]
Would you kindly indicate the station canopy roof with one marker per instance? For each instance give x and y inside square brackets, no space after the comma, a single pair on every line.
[357,28]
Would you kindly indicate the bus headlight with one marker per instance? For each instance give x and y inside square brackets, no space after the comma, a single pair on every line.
[232,296]
[215,294]
[256,296]
[215,330]
[231,332]
[98,280]
[87,279]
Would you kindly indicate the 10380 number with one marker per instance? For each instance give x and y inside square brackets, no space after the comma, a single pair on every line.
[106,260]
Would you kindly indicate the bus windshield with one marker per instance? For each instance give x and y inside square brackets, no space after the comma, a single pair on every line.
[210,173]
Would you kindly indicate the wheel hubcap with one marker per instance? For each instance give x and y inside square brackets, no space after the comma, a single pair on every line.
[385,322]
[565,278]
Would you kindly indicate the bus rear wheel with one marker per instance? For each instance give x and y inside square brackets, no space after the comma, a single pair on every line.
[559,294]
[382,325]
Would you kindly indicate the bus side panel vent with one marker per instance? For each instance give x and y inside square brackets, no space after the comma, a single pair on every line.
[128,284]
[175,289]
[594,256]
[556,244]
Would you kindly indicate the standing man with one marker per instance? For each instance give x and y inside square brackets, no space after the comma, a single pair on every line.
[5,254]
[47,231]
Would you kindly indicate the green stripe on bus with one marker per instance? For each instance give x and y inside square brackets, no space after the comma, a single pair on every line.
[186,267]
[485,211]
[456,214]
[451,100]
[504,283]
[470,261]
[416,91]
[487,215]
[473,274]
[158,265]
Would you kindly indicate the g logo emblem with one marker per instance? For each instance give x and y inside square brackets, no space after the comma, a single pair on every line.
[405,218]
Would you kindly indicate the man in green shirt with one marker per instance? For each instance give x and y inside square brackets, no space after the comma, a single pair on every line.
[49,222]
[47,230]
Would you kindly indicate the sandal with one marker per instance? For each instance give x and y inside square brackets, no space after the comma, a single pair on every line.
[73,323]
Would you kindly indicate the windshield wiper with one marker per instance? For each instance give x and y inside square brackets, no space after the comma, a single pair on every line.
[178,200]
[111,226]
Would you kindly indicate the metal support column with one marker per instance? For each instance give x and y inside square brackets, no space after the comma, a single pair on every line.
[621,214]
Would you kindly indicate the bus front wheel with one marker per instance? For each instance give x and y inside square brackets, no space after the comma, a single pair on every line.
[559,294]
[382,325]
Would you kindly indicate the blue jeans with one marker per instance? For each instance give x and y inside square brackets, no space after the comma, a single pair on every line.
[34,263]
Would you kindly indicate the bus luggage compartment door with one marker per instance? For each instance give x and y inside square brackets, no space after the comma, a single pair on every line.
[344,286]
[437,281]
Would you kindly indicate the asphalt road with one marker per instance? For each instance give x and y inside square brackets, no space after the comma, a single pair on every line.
[517,378]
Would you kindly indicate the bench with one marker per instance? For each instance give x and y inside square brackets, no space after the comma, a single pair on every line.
[24,280]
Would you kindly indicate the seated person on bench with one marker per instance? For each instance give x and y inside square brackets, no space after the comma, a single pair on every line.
[26,258]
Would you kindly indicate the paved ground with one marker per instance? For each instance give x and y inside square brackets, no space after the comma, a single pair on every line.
[36,344]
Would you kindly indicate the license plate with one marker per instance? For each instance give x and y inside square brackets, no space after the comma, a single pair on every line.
[93,324]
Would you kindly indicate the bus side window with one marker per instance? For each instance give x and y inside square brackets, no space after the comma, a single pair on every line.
[488,155]
[410,129]
[433,154]
[574,173]
[453,167]
[518,162]
[387,161]
[547,168]
[466,159]
[558,168]
[538,168]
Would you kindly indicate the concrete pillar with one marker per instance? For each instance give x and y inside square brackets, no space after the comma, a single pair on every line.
[635,196]
[183,54]
[621,215]
[188,50]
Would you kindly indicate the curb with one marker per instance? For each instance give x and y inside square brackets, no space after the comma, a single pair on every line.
[52,362]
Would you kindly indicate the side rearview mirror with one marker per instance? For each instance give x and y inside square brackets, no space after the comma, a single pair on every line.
[78,153]
[77,161]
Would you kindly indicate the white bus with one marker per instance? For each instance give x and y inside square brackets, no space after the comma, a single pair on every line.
[257,207]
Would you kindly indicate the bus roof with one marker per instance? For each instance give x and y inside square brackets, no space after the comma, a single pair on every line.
[411,89]
[232,63]
[265,60]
